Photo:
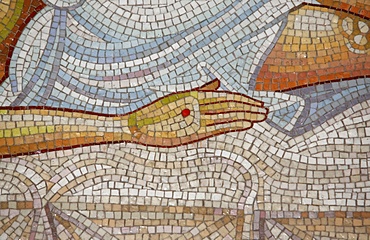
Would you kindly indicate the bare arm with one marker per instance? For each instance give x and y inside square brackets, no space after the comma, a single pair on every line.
[176,119]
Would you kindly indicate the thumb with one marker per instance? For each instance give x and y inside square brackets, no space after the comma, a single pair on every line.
[210,86]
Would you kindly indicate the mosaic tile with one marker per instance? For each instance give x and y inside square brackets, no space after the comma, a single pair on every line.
[318,45]
[170,119]
[14,15]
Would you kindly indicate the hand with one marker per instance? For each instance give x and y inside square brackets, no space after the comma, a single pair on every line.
[190,116]
[177,119]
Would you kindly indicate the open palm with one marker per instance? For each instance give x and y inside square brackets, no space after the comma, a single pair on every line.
[190,116]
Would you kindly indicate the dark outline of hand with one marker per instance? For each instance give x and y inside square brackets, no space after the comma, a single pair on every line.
[220,112]
[232,111]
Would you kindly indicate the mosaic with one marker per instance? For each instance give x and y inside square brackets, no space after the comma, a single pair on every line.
[178,119]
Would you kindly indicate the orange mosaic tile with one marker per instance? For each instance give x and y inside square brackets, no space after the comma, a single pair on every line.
[320,61]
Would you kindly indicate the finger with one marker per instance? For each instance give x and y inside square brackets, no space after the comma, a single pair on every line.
[228,106]
[245,99]
[220,96]
[211,86]
[238,125]
[233,116]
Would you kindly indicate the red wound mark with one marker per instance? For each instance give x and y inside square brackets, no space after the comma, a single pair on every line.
[185,112]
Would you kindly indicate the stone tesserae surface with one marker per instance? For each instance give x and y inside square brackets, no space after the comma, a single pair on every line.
[177,119]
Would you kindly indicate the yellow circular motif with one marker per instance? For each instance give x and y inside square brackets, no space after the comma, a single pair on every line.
[355,30]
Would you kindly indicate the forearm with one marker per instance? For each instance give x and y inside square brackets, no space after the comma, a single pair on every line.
[31,131]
